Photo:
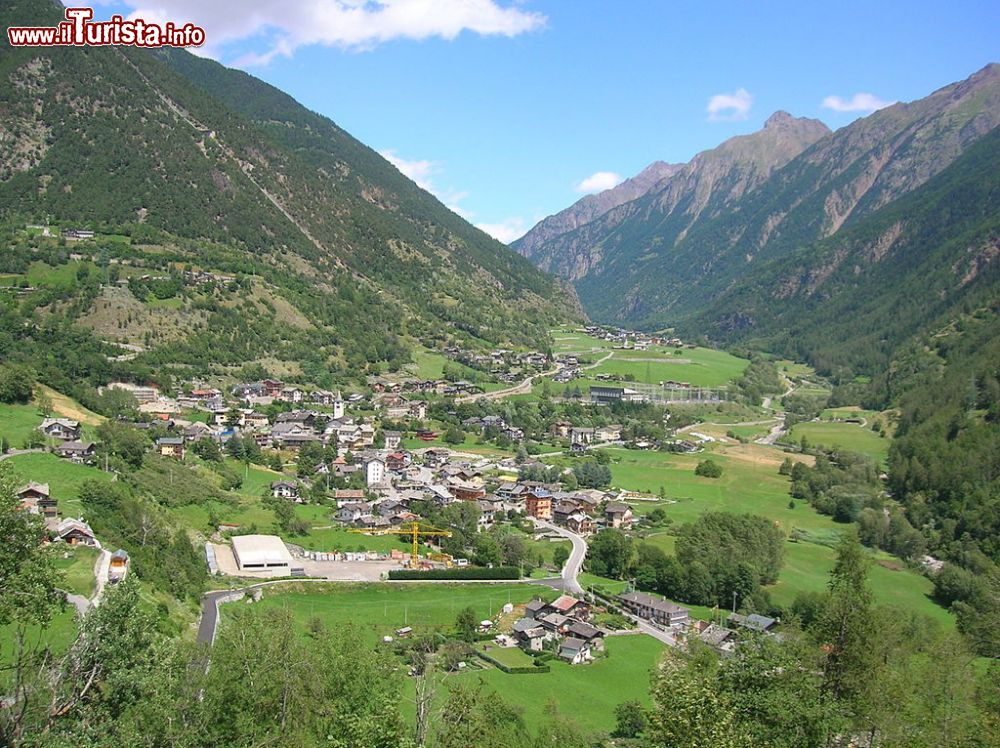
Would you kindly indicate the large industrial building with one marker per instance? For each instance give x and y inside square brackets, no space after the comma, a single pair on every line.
[262,553]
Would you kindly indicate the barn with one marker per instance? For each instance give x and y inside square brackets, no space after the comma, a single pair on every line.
[261,553]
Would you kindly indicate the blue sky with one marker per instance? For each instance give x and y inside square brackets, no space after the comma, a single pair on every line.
[508,109]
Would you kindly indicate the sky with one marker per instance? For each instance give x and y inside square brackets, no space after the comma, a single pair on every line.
[510,110]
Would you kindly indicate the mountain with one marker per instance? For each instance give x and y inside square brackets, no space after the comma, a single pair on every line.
[671,254]
[198,165]
[591,207]
[676,196]
[850,302]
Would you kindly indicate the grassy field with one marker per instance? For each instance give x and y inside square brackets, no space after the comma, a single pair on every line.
[64,477]
[469,445]
[587,694]
[380,609]
[750,483]
[851,436]
[509,656]
[701,367]
[17,422]
[57,635]
[808,566]
[77,565]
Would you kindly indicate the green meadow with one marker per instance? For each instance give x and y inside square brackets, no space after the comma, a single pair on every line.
[850,436]
[379,609]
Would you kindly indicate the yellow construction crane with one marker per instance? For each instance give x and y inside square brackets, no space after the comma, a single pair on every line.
[414,529]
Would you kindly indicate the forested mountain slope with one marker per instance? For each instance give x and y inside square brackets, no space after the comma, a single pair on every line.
[214,169]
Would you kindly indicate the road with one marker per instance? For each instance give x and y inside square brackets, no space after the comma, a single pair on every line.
[571,569]
[524,388]
[16,452]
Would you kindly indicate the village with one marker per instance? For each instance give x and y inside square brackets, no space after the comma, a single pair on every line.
[373,485]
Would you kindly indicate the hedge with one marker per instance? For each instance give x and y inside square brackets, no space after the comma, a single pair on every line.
[461,572]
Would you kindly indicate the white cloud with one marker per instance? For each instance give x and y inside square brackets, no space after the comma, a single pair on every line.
[505,231]
[281,26]
[599,181]
[860,102]
[421,171]
[725,106]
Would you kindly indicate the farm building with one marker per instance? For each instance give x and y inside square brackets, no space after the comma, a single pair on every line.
[261,553]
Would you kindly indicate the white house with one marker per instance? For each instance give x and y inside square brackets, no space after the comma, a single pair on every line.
[374,471]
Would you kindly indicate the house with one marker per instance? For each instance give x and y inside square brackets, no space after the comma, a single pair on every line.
[580,523]
[554,622]
[285,489]
[561,429]
[717,637]
[538,504]
[617,514]
[436,457]
[570,607]
[610,433]
[171,446]
[530,635]
[374,471]
[348,496]
[580,435]
[487,512]
[351,513]
[76,450]
[296,439]
[753,622]
[396,461]
[75,532]
[196,431]
[465,491]
[653,608]
[60,428]
[535,608]
[392,439]
[118,566]
[35,499]
[291,394]
[255,420]
[588,633]
[575,651]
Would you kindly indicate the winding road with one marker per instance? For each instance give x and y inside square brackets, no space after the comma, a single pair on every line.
[571,569]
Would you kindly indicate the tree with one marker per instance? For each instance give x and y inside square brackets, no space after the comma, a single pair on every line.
[454,435]
[43,402]
[208,450]
[27,576]
[560,555]
[17,383]
[630,720]
[123,442]
[843,626]
[467,624]
[689,711]
[610,554]
[708,469]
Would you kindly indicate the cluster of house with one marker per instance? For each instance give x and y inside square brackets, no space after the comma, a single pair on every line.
[562,626]
[504,364]
[65,434]
[668,615]
[36,498]
[581,437]
[632,339]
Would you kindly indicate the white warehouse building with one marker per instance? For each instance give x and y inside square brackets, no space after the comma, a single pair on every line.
[262,553]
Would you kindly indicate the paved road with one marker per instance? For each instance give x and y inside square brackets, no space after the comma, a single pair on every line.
[574,563]
[524,388]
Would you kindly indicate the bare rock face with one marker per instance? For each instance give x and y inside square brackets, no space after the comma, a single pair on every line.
[570,243]
[588,208]
[692,233]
